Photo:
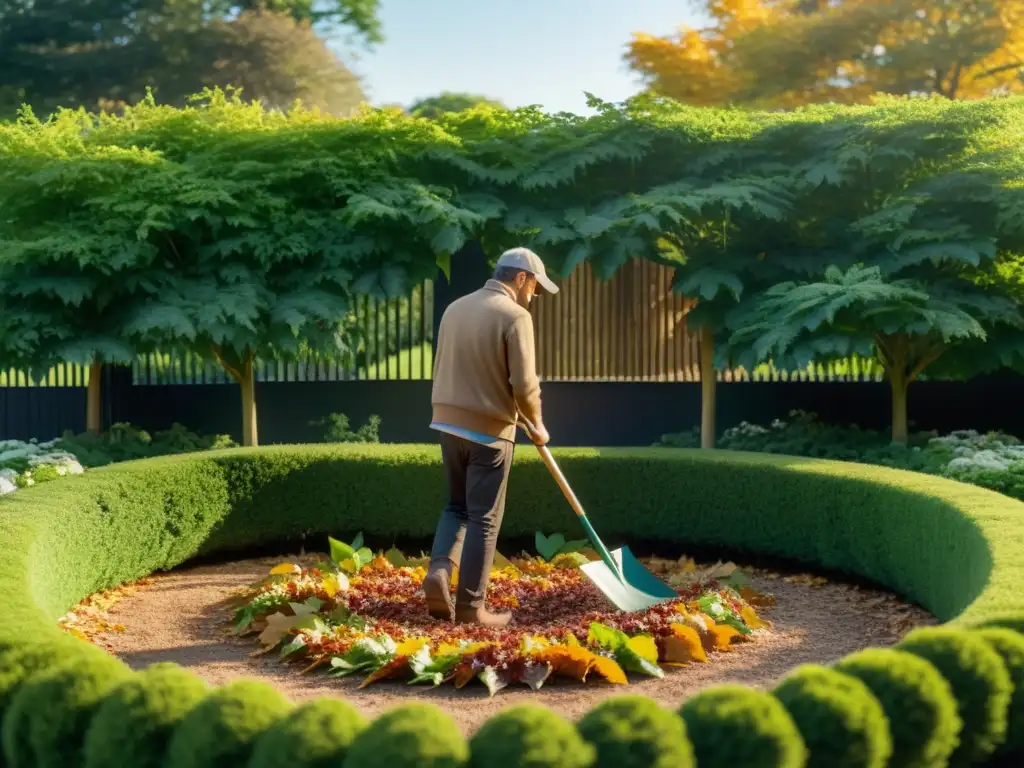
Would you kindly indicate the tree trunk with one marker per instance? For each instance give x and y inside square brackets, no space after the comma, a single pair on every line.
[93,414]
[900,429]
[707,389]
[247,382]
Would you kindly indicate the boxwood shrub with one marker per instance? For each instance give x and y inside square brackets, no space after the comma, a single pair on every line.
[316,734]
[529,736]
[1010,647]
[632,731]
[841,722]
[133,724]
[223,727]
[47,721]
[918,704]
[955,549]
[981,686]
[733,725]
[409,736]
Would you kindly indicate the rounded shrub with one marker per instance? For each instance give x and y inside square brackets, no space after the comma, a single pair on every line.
[733,725]
[133,725]
[918,703]
[1010,647]
[841,722]
[409,736]
[47,720]
[529,737]
[316,734]
[635,732]
[20,662]
[222,728]
[981,686]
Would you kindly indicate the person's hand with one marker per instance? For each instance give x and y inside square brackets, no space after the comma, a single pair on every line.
[540,435]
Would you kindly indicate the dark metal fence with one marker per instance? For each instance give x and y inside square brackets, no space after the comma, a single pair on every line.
[618,362]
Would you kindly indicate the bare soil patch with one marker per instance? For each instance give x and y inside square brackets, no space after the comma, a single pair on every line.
[184,617]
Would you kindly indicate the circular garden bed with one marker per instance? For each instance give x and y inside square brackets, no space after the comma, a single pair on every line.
[951,692]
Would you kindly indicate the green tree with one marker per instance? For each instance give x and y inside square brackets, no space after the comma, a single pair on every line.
[102,54]
[237,233]
[906,324]
[433,107]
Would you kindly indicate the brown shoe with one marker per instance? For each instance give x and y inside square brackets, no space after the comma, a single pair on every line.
[437,591]
[481,616]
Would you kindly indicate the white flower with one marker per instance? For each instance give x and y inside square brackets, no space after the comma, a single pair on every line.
[6,486]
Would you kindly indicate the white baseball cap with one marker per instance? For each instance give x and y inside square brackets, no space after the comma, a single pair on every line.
[528,261]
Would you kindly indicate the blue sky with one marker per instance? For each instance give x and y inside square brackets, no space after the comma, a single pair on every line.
[545,52]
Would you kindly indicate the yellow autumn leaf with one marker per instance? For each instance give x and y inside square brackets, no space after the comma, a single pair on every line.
[645,647]
[285,569]
[683,646]
[751,619]
[330,585]
[410,646]
[571,641]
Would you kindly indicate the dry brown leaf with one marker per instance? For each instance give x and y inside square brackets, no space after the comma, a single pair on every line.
[755,598]
[393,668]
[464,674]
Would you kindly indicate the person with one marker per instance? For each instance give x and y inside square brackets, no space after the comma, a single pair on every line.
[484,377]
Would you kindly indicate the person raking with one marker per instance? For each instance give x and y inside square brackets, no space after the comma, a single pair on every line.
[484,377]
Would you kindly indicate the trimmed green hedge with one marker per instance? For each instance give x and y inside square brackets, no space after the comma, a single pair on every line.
[956,549]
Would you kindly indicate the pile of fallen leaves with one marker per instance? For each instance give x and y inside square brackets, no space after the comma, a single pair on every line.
[360,612]
[91,618]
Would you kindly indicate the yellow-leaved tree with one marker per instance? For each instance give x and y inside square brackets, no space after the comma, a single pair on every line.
[783,53]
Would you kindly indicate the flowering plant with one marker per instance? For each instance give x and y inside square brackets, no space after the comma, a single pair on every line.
[364,613]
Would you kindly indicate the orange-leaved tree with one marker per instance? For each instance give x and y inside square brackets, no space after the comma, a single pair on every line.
[784,53]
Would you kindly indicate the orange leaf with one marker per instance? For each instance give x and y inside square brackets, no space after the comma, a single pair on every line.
[566,661]
[609,670]
[683,646]
[285,569]
[392,669]
[720,637]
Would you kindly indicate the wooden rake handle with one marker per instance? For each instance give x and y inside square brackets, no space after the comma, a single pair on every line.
[549,461]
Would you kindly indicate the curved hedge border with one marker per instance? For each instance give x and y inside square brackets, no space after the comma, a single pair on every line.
[956,549]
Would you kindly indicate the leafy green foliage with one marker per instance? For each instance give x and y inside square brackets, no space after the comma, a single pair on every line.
[48,718]
[635,732]
[981,685]
[733,725]
[840,721]
[409,735]
[350,558]
[529,736]
[918,702]
[316,734]
[338,429]
[551,546]
[133,724]
[125,442]
[1010,647]
[223,727]
[433,107]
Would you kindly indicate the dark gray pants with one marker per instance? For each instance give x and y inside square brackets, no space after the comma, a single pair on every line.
[467,532]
